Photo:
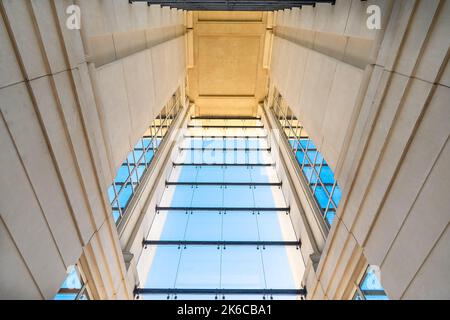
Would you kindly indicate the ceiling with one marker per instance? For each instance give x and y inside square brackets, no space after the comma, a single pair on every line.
[227,61]
[234,5]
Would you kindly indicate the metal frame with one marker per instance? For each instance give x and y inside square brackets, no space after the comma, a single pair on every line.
[249,165]
[223,244]
[226,149]
[222,209]
[296,244]
[225,118]
[193,126]
[265,292]
[225,184]
[157,133]
[286,118]
[224,137]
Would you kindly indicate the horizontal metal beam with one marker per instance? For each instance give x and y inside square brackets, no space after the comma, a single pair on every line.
[224,164]
[196,291]
[221,243]
[193,126]
[296,138]
[234,5]
[225,184]
[226,149]
[252,209]
[225,137]
[225,118]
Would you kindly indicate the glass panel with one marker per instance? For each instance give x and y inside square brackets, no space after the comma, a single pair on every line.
[238,197]
[235,143]
[210,174]
[163,271]
[219,157]
[138,156]
[208,196]
[257,157]
[240,226]
[242,268]
[177,196]
[146,143]
[169,225]
[267,197]
[199,267]
[111,194]
[149,155]
[234,266]
[122,174]
[237,174]
[371,286]
[71,287]
[125,195]
[277,267]
[66,296]
[329,216]
[204,226]
[193,143]
[221,132]
[300,155]
[133,175]
[184,174]
[326,175]
[264,174]
[257,143]
[140,171]
[321,197]
[235,157]
[293,143]
[275,226]
[115,211]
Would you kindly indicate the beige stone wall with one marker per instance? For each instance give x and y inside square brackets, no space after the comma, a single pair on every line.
[133,90]
[60,120]
[227,74]
[319,63]
[391,152]
[115,29]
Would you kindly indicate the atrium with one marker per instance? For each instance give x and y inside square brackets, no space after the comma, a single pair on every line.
[224,150]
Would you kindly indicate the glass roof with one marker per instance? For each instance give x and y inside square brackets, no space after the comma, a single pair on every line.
[223,228]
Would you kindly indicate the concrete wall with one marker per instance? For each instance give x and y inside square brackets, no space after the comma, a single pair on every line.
[227,74]
[56,127]
[115,29]
[389,147]
[133,90]
[319,61]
